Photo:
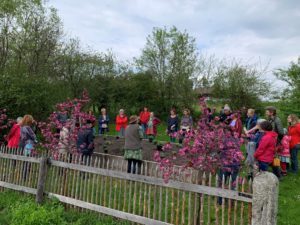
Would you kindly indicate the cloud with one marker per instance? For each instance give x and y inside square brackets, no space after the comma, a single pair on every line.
[266,30]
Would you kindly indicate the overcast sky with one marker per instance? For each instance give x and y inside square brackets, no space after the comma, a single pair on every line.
[251,30]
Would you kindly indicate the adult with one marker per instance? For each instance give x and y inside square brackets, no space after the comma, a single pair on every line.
[121,123]
[294,133]
[225,116]
[64,140]
[236,124]
[14,135]
[251,119]
[103,122]
[172,125]
[85,140]
[144,118]
[275,121]
[186,124]
[133,145]
[28,137]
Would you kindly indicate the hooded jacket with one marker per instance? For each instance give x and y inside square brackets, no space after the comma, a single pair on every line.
[266,148]
[294,132]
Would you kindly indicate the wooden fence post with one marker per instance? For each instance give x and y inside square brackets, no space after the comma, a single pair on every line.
[265,199]
[41,180]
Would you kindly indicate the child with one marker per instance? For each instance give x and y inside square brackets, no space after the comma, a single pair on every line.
[236,124]
[284,153]
[152,127]
[266,149]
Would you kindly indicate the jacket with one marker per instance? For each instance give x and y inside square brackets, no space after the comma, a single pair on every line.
[144,117]
[85,141]
[251,122]
[13,138]
[63,140]
[266,148]
[277,126]
[294,132]
[121,122]
[102,121]
[285,146]
[237,127]
[152,128]
[172,124]
[186,121]
[133,137]
[27,136]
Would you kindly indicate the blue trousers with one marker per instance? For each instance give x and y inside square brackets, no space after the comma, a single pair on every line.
[294,159]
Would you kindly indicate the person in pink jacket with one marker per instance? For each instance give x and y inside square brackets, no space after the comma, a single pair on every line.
[284,154]
[267,146]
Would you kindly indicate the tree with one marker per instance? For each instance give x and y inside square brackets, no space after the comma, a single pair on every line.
[289,101]
[170,55]
[241,86]
[212,146]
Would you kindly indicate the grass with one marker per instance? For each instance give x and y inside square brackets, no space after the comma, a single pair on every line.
[20,209]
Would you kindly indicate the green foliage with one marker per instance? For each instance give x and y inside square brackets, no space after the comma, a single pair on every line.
[289,101]
[240,86]
[171,57]
[20,209]
[29,213]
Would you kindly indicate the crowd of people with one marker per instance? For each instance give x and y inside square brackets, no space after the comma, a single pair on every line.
[268,144]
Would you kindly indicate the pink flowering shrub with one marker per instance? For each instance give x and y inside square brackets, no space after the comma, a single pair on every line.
[69,114]
[211,146]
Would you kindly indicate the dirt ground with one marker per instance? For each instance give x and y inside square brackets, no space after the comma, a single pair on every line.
[112,145]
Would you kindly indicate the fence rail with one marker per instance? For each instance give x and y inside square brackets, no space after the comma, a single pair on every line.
[100,184]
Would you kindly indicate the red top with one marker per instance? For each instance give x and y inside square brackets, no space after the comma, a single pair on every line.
[13,137]
[266,148]
[294,132]
[156,121]
[121,122]
[144,117]
[238,127]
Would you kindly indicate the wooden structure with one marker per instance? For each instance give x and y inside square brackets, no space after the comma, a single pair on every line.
[101,185]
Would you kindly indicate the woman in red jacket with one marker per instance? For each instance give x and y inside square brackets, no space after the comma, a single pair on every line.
[13,137]
[144,118]
[294,132]
[266,149]
[121,123]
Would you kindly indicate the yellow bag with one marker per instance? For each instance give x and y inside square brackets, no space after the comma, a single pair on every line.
[276,162]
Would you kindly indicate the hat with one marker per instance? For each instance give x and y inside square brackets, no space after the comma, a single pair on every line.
[133,119]
[226,107]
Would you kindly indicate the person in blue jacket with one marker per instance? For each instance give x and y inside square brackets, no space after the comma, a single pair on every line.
[103,122]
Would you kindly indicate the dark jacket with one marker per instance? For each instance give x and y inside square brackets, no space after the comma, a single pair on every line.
[251,122]
[173,124]
[225,118]
[102,121]
[85,141]
[277,127]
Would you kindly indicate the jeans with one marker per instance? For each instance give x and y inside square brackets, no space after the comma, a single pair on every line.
[134,166]
[122,132]
[144,128]
[294,159]
[103,131]
[263,166]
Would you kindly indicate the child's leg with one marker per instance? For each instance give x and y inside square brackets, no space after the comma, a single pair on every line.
[283,167]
